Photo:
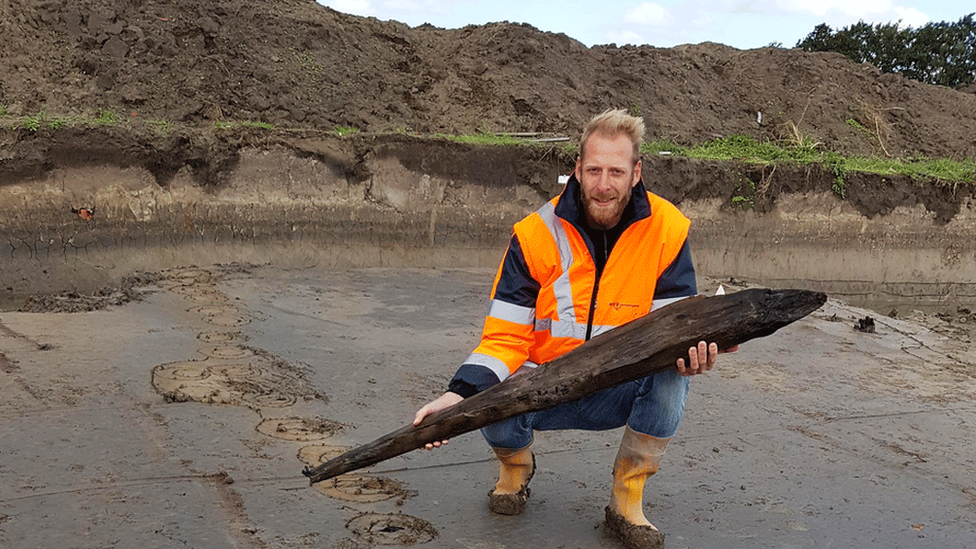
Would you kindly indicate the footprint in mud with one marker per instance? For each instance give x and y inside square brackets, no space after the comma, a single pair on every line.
[352,487]
[204,295]
[185,276]
[231,373]
[222,337]
[221,315]
[391,529]
[251,382]
[227,351]
[298,428]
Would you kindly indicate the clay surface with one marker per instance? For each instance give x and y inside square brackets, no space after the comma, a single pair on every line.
[791,441]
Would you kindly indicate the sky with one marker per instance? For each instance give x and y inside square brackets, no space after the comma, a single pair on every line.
[742,24]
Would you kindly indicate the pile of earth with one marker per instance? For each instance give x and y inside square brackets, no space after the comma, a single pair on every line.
[299,65]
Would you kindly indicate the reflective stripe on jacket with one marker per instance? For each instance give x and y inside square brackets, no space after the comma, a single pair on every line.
[550,254]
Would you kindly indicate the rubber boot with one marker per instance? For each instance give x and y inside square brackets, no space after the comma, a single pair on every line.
[512,489]
[638,458]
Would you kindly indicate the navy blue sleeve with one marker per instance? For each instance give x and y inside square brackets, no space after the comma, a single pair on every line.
[678,280]
[516,285]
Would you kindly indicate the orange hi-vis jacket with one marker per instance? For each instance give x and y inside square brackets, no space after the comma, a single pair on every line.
[549,295]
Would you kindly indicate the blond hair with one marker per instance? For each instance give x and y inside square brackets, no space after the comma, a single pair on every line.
[611,123]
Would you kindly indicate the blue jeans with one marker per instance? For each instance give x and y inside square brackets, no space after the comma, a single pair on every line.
[652,406]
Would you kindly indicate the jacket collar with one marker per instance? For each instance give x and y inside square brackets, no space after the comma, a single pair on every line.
[570,204]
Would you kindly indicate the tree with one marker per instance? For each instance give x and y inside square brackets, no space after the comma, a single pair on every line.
[937,53]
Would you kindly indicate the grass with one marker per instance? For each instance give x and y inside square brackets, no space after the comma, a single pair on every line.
[345,130]
[105,118]
[164,124]
[483,138]
[746,149]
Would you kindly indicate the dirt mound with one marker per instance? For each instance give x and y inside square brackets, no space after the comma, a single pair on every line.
[295,63]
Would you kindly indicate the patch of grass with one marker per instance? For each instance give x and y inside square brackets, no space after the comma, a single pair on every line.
[345,130]
[483,138]
[58,123]
[658,147]
[941,169]
[3,110]
[744,196]
[35,122]
[106,118]
[746,149]
[856,125]
[164,125]
[31,123]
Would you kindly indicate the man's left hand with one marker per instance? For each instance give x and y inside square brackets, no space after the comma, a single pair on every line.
[701,358]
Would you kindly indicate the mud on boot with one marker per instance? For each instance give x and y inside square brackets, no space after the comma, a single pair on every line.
[633,536]
[506,502]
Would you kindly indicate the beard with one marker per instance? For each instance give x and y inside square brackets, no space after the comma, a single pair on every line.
[603,212]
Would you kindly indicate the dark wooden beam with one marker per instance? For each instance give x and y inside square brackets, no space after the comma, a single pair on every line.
[637,349]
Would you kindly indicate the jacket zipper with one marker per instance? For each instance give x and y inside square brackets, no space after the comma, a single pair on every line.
[596,289]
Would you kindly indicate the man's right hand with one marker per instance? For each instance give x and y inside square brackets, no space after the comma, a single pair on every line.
[446,400]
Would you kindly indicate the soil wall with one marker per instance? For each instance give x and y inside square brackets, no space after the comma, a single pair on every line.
[396,201]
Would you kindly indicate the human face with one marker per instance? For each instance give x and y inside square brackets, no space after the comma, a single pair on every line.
[607,172]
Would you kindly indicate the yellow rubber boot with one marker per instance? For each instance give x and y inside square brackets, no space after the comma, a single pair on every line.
[638,458]
[516,468]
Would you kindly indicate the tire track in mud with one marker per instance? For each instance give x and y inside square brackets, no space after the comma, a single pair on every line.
[230,372]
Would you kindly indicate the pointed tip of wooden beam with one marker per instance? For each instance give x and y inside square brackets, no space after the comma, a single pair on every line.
[784,307]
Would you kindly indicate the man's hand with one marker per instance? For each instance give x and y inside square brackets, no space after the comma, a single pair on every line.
[446,400]
[701,358]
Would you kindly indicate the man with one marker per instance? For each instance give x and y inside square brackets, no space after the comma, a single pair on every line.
[602,253]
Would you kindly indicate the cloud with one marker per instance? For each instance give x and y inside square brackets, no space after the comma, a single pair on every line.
[860,9]
[354,7]
[622,37]
[648,13]
[867,10]
[911,17]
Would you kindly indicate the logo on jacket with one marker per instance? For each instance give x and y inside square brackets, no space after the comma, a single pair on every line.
[616,305]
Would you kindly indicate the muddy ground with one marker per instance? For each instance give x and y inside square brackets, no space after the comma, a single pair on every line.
[185,419]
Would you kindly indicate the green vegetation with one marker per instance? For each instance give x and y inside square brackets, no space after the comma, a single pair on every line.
[106,118]
[164,125]
[746,149]
[345,130]
[483,138]
[58,123]
[33,123]
[937,53]
[743,198]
